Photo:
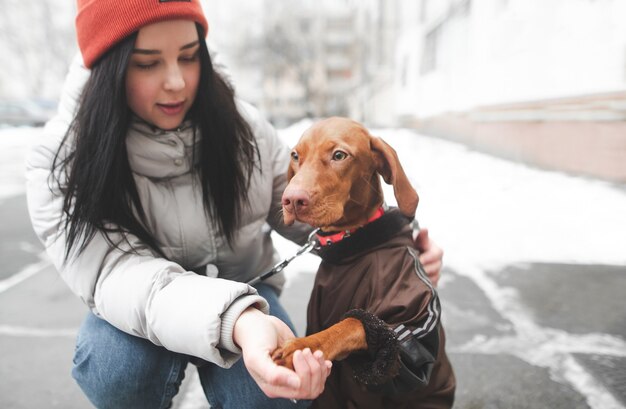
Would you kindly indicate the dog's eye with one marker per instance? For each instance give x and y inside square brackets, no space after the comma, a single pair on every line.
[294,156]
[339,155]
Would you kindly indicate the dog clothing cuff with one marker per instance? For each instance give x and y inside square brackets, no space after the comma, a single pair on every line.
[381,361]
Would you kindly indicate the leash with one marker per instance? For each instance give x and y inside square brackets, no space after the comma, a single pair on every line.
[311,244]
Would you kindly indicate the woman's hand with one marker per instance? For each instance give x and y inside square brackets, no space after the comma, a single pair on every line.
[257,335]
[431,255]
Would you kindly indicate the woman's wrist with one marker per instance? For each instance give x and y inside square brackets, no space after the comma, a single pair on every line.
[244,325]
[232,314]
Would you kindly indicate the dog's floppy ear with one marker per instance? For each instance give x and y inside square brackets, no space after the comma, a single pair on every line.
[388,165]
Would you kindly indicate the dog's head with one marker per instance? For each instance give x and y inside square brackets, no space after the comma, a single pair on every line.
[333,177]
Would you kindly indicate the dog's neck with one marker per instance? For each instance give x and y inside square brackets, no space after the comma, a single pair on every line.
[328,237]
[366,198]
[366,239]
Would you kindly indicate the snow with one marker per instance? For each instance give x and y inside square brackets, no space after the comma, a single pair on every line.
[14,144]
[486,212]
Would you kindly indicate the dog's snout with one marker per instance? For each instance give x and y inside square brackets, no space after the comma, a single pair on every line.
[296,199]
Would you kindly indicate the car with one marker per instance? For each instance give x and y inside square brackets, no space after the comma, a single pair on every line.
[23,113]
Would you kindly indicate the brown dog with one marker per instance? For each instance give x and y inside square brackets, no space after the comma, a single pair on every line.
[371,302]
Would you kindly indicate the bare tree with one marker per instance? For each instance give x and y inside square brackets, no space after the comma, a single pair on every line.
[288,51]
[37,43]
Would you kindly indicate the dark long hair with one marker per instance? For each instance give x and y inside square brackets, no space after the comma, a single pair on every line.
[100,194]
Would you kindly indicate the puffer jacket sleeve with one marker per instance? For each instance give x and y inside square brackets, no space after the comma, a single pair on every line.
[137,292]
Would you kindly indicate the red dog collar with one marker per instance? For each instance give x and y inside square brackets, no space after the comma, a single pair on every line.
[327,240]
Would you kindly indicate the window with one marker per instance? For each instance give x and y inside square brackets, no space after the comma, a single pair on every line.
[429,55]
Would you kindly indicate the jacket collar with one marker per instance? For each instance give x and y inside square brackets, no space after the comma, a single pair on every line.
[157,153]
[372,235]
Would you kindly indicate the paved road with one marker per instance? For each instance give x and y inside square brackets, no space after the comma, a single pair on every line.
[520,335]
[509,349]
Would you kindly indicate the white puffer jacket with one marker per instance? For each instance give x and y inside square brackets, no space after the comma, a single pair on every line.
[148,296]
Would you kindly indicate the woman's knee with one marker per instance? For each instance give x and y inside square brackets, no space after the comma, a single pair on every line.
[234,388]
[115,369]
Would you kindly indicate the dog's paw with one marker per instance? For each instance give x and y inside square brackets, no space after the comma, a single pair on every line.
[283,355]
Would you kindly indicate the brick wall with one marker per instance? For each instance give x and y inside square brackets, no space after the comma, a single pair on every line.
[580,135]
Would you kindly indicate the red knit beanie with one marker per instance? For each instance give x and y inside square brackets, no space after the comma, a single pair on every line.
[100,24]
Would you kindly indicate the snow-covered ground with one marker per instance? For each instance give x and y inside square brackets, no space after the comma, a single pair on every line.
[14,143]
[486,212]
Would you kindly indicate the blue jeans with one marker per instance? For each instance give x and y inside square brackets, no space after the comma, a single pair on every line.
[118,370]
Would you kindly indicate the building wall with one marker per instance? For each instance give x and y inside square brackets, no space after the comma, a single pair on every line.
[541,81]
[575,135]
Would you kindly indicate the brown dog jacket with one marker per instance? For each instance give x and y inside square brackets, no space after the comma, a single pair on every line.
[377,270]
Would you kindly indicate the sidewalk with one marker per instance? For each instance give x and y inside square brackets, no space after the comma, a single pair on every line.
[510,355]
[531,294]
[502,360]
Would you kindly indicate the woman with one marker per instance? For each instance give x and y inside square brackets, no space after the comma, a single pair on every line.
[150,193]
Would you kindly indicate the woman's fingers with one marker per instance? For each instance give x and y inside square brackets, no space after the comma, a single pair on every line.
[274,381]
[329,367]
[309,371]
[258,335]
[312,371]
[317,372]
[325,367]
[431,255]
[301,366]
[433,270]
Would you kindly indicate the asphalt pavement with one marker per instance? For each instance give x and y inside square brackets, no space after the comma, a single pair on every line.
[533,335]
